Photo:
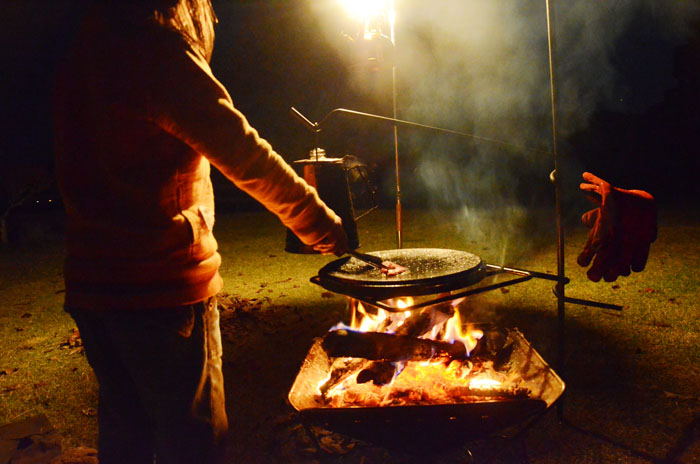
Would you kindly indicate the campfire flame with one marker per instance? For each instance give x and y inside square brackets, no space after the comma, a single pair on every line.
[468,336]
[436,380]
[442,328]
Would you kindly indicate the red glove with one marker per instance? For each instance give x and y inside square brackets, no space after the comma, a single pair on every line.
[622,230]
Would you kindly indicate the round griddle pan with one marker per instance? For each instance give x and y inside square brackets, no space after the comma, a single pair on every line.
[428,271]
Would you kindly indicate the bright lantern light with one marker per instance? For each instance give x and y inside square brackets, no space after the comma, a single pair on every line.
[363,9]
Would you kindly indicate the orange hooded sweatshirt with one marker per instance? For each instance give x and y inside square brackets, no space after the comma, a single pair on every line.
[138,118]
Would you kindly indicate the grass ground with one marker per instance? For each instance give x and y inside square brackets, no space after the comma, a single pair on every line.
[632,376]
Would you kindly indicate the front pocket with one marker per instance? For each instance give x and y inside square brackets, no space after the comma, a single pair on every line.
[194,220]
[207,215]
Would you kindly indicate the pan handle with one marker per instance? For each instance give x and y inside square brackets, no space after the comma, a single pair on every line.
[374,261]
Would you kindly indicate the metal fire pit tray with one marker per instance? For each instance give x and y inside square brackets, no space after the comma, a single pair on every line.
[428,271]
[434,424]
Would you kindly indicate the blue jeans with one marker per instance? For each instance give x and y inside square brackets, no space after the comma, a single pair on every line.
[161,383]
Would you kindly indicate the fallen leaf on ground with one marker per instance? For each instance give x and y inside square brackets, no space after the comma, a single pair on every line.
[73,340]
[679,397]
[658,324]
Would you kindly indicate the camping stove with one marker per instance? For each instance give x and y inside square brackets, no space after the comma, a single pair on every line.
[406,367]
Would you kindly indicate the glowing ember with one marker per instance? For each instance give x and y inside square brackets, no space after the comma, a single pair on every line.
[484,384]
[424,383]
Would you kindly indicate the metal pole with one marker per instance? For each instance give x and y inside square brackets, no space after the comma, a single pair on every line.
[399,227]
[556,179]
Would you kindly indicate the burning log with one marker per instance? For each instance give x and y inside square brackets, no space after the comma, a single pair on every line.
[385,350]
[379,373]
[341,370]
[419,322]
[388,347]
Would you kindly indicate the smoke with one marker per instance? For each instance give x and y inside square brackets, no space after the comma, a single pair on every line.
[471,63]
[482,67]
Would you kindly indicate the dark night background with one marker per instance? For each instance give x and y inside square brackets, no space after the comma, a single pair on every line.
[628,75]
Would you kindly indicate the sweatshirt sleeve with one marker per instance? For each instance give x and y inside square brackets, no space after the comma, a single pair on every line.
[187,101]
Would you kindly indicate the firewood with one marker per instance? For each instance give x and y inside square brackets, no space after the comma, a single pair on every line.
[339,371]
[419,322]
[377,372]
[381,372]
[388,347]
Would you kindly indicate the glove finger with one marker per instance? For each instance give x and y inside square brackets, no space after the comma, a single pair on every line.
[648,226]
[601,264]
[589,218]
[618,268]
[595,184]
[624,261]
[597,239]
[590,189]
[595,199]
[592,178]
[589,250]
[585,257]
[594,273]
[616,263]
[639,260]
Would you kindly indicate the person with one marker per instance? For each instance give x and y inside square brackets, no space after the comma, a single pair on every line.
[623,227]
[138,118]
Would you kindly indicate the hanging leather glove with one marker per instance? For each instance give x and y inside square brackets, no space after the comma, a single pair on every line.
[623,226]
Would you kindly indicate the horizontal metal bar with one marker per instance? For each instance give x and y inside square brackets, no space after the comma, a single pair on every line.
[596,304]
[357,218]
[539,275]
[316,127]
[450,297]
[492,270]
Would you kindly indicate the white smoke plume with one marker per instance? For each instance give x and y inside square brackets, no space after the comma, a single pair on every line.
[485,63]
[482,66]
